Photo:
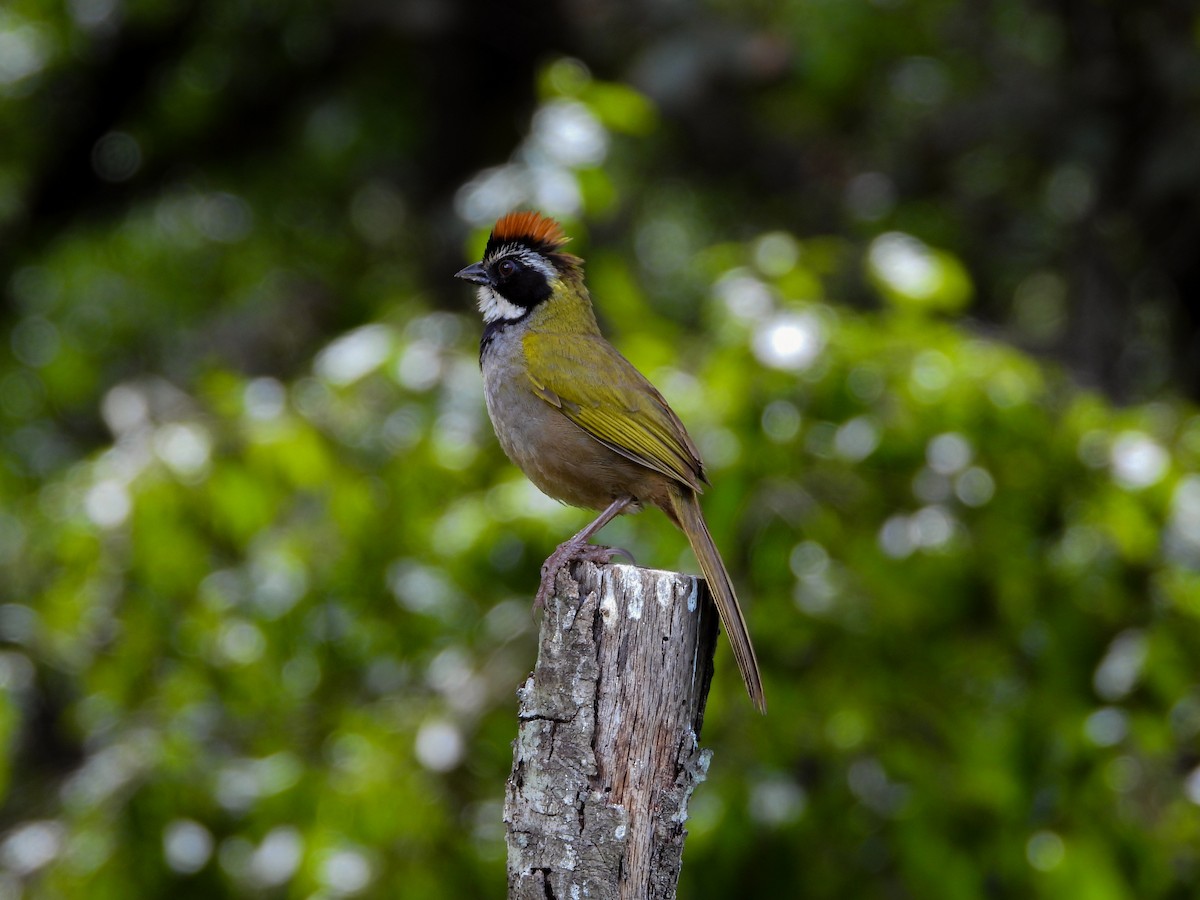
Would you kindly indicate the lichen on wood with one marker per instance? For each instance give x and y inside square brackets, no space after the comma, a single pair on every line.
[607,753]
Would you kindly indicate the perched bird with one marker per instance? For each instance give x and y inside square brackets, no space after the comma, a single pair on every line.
[583,424]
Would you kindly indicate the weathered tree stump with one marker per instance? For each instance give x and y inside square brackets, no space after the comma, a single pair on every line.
[608,751]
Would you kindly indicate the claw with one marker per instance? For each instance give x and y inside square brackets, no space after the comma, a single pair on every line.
[579,548]
[621,551]
[562,556]
[565,555]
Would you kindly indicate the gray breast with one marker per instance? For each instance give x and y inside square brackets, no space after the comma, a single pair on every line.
[558,456]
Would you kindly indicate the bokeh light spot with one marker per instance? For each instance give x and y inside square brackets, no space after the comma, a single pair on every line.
[1045,851]
[790,341]
[1138,461]
[116,157]
[187,846]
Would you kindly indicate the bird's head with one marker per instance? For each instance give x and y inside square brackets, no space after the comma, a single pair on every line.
[523,267]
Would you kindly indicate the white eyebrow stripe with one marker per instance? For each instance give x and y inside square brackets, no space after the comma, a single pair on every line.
[525,255]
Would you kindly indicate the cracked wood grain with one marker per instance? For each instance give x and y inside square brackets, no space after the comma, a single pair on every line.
[607,752]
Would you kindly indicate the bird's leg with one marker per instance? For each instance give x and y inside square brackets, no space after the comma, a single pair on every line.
[579,548]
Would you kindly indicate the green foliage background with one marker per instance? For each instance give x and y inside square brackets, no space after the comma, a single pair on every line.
[265,575]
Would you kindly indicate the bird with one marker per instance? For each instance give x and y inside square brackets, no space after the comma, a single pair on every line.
[583,424]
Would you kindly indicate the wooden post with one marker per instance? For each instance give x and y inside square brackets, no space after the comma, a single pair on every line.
[608,751]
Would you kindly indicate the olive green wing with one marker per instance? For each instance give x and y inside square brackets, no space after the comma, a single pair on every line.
[600,391]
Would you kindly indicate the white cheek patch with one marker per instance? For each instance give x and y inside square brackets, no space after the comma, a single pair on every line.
[493,307]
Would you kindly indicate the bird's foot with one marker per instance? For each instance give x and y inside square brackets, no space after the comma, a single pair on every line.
[569,552]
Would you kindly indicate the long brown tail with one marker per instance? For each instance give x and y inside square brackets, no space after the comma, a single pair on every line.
[686,507]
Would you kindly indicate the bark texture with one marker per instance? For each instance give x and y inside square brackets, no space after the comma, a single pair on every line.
[608,751]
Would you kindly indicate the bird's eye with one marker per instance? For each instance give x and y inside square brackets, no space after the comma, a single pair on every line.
[507,268]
